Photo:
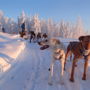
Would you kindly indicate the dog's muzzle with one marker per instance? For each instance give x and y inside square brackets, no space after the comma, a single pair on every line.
[85,52]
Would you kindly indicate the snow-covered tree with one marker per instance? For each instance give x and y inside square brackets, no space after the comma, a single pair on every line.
[44,27]
[52,28]
[35,24]
[21,20]
[79,29]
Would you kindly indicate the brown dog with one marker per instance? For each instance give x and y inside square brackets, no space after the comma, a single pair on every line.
[80,50]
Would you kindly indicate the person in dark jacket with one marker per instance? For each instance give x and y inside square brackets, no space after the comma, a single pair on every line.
[23,27]
[22,33]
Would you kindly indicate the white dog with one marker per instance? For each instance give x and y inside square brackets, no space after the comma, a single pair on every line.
[58,53]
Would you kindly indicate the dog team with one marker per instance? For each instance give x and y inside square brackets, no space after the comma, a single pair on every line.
[79,49]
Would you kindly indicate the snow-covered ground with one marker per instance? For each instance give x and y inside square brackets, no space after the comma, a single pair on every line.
[10,47]
[29,68]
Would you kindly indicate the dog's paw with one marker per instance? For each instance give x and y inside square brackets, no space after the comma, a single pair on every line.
[71,80]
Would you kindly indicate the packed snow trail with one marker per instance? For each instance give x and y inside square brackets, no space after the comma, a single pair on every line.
[31,73]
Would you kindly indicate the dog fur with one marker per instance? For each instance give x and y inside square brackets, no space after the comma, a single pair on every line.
[80,50]
[57,53]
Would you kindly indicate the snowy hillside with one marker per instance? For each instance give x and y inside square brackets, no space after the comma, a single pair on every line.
[29,67]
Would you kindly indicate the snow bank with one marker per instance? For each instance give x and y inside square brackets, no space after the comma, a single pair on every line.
[4,65]
[10,47]
[31,73]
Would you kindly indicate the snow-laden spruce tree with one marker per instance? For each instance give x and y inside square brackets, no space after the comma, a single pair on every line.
[35,24]
[28,23]
[2,21]
[21,19]
[53,29]
[8,24]
[78,28]
[44,26]
[71,30]
[12,26]
[66,29]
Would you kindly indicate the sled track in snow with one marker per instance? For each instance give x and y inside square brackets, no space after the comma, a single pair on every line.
[35,74]
[31,73]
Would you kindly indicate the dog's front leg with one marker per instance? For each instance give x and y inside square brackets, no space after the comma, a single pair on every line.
[62,66]
[51,72]
[62,71]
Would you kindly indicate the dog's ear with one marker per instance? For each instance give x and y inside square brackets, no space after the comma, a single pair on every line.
[81,38]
